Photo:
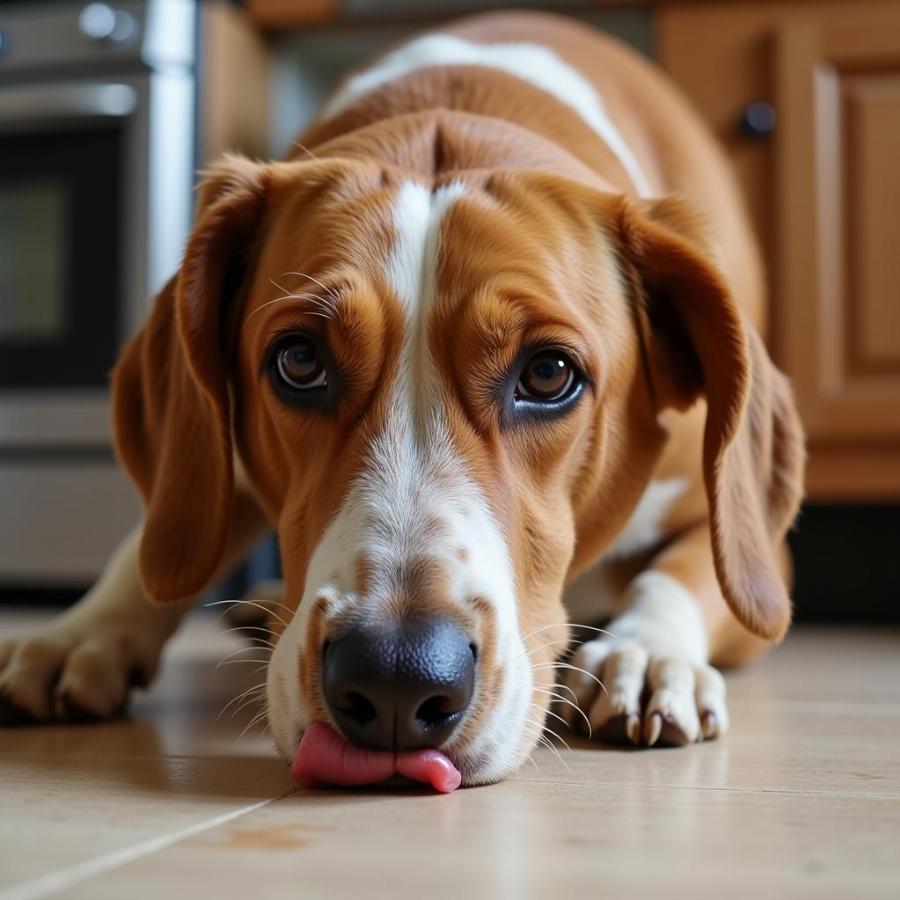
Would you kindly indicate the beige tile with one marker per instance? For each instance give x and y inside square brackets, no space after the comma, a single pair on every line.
[535,840]
[57,813]
[71,793]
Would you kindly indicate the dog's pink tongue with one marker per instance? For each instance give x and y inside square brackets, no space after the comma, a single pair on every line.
[324,757]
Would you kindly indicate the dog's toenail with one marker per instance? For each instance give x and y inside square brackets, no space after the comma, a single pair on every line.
[633,729]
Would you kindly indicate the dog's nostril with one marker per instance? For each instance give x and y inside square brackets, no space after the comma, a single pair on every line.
[358,708]
[473,648]
[436,711]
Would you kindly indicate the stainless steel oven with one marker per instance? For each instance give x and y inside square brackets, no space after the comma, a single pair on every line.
[96,167]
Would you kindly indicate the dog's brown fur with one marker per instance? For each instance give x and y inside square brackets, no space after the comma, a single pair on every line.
[682,383]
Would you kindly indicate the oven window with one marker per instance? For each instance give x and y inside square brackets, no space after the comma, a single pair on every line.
[33,249]
[61,223]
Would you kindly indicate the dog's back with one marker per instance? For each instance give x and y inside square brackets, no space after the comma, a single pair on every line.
[613,119]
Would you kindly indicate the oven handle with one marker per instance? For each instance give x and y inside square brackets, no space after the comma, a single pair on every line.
[47,105]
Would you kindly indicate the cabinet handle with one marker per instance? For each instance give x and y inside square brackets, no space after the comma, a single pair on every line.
[757,121]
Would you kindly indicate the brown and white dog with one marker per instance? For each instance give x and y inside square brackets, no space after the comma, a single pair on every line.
[492,332]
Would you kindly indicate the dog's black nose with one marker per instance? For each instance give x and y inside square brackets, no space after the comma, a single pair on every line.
[399,687]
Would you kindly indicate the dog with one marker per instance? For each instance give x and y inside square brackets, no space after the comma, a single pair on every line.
[485,353]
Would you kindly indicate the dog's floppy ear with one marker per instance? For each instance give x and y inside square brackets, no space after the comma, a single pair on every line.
[698,343]
[170,393]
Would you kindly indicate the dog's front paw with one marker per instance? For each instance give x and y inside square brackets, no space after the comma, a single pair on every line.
[658,700]
[73,671]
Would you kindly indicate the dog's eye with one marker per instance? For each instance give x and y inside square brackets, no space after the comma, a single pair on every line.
[299,364]
[549,376]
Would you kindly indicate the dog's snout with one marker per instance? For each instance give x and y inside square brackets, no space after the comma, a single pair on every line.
[399,687]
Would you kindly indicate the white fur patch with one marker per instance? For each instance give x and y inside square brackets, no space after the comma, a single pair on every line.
[662,616]
[532,63]
[644,528]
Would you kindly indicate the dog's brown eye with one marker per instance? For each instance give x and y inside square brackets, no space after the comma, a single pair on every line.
[299,364]
[547,376]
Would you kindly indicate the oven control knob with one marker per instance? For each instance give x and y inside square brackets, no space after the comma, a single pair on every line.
[102,23]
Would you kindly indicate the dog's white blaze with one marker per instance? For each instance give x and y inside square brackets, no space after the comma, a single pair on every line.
[533,63]
[412,273]
[411,475]
[415,473]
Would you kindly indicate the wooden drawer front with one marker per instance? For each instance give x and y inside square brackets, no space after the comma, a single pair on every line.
[837,211]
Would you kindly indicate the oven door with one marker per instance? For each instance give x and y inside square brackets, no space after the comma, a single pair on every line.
[60,246]
[95,205]
[66,156]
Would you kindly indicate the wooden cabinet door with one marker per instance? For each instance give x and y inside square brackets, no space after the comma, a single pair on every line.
[823,190]
[837,211]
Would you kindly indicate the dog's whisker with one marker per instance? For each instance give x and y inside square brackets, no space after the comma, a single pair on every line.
[593,628]
[253,698]
[564,687]
[264,609]
[306,150]
[258,717]
[324,287]
[328,307]
[256,697]
[542,647]
[548,712]
[255,689]
[235,662]
[565,665]
[250,701]
[559,698]
[247,648]
[258,640]
[280,605]
[544,741]
[245,602]
[325,302]
[539,729]
[559,756]
[266,305]
[558,737]
[254,721]
[247,628]
[557,716]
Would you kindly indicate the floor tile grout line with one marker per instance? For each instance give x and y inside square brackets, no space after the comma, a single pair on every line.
[62,879]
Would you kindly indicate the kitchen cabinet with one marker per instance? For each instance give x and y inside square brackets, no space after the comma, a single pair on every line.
[823,185]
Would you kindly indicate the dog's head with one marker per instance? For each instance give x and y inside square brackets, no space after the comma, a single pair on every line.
[447,398]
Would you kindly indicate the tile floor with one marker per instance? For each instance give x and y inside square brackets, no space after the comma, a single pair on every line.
[801,800]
